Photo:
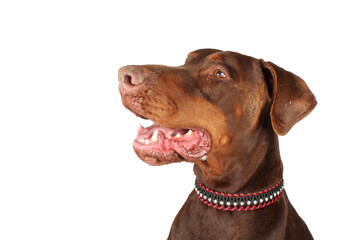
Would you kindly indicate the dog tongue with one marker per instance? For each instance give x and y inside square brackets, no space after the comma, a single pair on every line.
[190,144]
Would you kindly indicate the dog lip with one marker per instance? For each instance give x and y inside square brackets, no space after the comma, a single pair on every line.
[134,104]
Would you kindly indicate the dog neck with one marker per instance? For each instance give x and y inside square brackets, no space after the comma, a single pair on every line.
[255,165]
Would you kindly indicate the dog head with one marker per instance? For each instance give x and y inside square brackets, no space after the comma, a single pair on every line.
[212,107]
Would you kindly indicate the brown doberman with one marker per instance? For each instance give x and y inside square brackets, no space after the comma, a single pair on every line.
[222,111]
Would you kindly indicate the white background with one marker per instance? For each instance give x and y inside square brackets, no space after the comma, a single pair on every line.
[67,168]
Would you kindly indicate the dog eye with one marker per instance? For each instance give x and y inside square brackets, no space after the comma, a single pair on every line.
[220,74]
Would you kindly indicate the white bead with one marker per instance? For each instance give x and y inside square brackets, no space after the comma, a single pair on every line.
[235,204]
[209,199]
[221,203]
[255,202]
[242,203]
[215,201]
[200,194]
[278,193]
[248,202]
[228,203]
[261,200]
[205,197]
[271,197]
[266,199]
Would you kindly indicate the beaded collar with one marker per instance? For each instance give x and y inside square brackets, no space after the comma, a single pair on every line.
[239,201]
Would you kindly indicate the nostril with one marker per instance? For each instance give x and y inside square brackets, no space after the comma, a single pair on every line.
[132,80]
[128,80]
[130,77]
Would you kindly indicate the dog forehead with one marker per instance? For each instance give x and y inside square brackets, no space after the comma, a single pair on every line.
[198,55]
[214,56]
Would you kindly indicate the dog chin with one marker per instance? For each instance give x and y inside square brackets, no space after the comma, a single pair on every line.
[158,159]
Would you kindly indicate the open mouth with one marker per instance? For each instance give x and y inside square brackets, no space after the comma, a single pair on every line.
[156,140]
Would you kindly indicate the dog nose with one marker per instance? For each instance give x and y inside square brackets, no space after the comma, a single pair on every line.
[130,77]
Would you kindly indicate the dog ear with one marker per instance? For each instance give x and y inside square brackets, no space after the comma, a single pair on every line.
[292,99]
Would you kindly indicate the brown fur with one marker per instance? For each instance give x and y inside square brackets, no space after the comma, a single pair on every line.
[243,112]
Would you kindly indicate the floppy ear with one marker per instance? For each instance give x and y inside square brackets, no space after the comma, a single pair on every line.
[292,99]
